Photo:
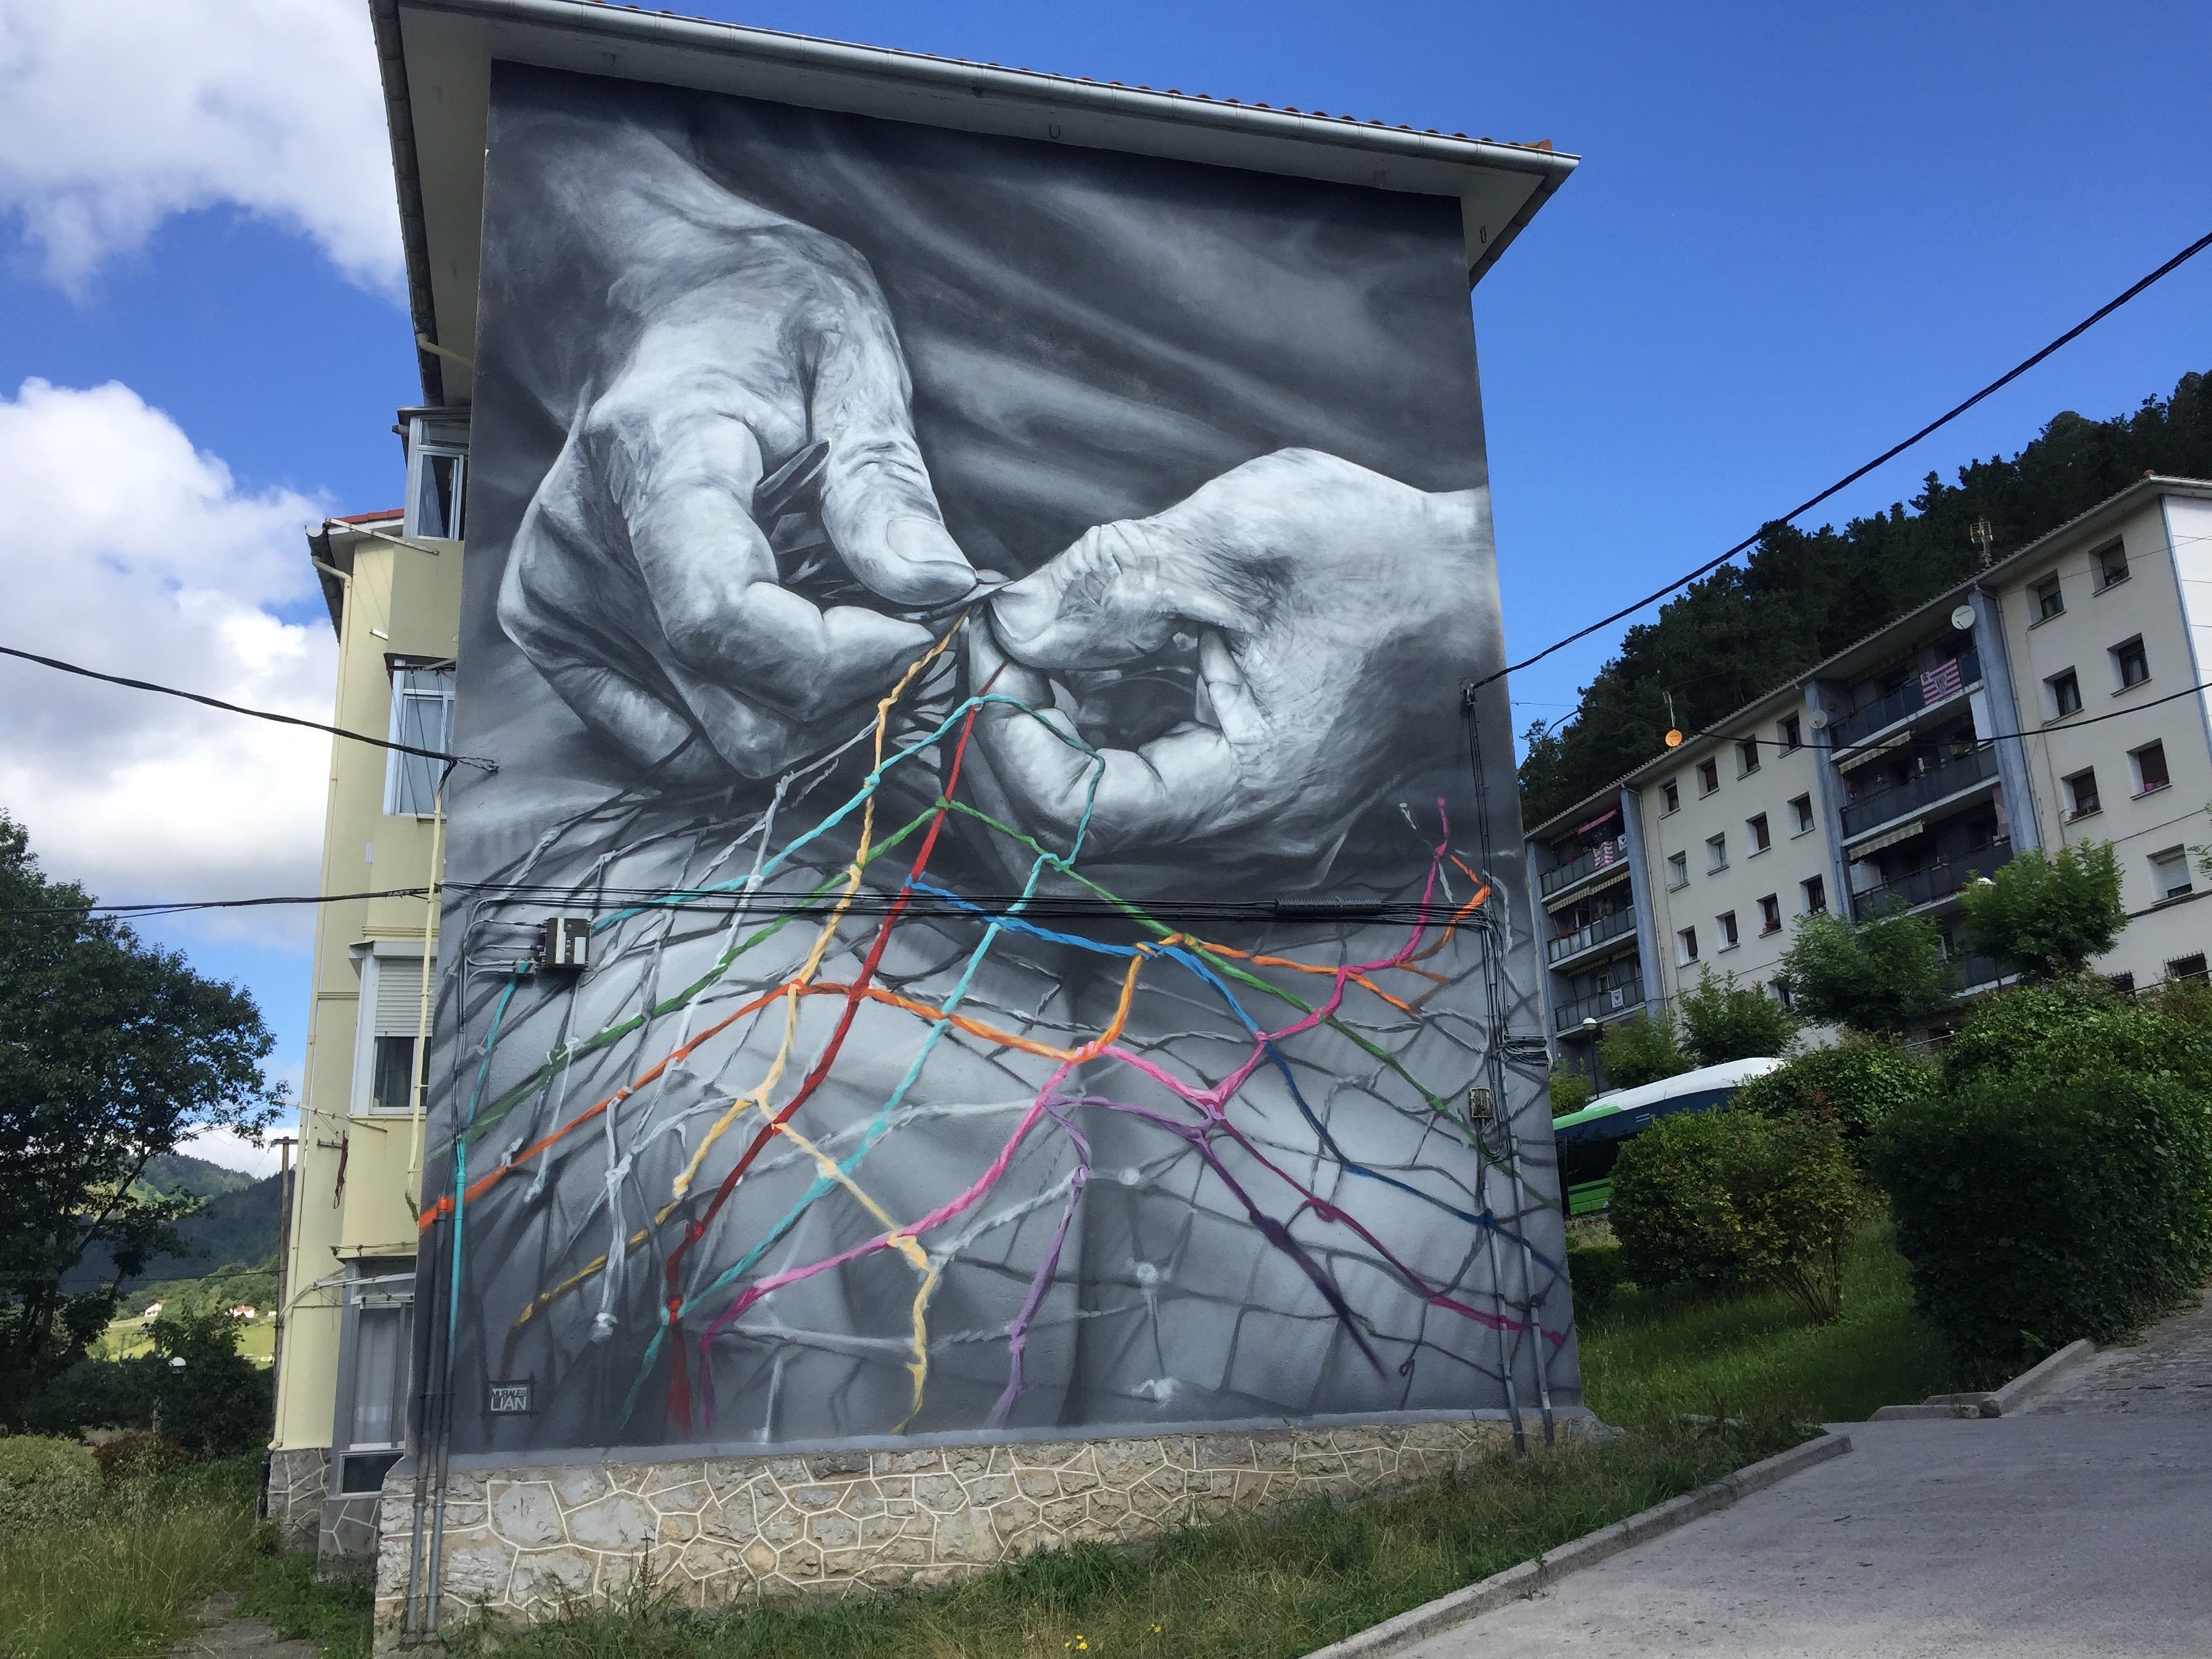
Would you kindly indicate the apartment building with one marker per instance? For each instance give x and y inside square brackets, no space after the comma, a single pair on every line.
[2056,697]
[392,582]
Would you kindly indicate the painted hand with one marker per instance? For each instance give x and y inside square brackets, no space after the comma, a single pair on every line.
[748,465]
[1333,613]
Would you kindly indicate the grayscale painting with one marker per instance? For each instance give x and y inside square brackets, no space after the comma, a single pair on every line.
[972,633]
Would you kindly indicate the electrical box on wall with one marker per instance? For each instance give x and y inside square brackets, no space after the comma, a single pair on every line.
[566,944]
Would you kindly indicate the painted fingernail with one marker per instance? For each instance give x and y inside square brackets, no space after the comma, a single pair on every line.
[933,567]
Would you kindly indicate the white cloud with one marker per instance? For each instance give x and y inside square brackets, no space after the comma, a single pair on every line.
[129,551]
[234,1152]
[116,113]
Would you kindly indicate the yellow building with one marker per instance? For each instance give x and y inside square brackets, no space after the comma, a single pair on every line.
[393,581]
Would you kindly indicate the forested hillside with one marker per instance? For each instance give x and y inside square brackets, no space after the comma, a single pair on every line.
[1802,595]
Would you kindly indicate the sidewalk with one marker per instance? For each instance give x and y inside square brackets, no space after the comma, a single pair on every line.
[2080,1530]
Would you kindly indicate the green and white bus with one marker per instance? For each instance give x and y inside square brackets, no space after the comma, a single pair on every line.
[1590,1141]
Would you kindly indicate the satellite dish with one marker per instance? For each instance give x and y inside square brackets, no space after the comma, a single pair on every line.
[1963,617]
[1819,719]
[1673,740]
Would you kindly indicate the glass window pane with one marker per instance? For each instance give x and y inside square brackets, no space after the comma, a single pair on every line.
[379,1376]
[392,1089]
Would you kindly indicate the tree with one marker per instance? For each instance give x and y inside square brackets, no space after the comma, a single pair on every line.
[1886,974]
[111,1051]
[1640,1050]
[2045,917]
[1724,1021]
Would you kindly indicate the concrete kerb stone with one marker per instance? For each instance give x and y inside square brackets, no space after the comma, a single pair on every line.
[2051,1368]
[1517,1582]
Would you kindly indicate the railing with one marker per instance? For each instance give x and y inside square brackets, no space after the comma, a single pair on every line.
[1969,971]
[1938,880]
[1597,933]
[1567,875]
[1906,700]
[1599,1004]
[1948,779]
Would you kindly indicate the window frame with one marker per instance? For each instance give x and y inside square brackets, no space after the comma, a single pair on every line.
[1731,935]
[1811,889]
[1770,914]
[375,1287]
[2177,857]
[2072,785]
[1790,733]
[1670,798]
[1686,946]
[1709,777]
[1762,835]
[1716,854]
[2101,574]
[2143,785]
[1807,820]
[2046,598]
[1678,863]
[2066,682]
[411,781]
[2127,651]
[1747,757]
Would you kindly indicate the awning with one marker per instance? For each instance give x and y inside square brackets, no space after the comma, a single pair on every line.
[1888,838]
[1606,817]
[1851,758]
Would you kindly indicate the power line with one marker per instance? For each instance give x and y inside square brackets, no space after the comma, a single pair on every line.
[1853,477]
[258,714]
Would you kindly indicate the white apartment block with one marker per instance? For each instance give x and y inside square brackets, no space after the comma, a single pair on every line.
[2056,697]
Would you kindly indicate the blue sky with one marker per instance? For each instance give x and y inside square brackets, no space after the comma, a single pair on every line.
[1797,233]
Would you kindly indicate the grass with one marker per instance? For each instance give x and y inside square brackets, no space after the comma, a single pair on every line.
[117,1582]
[1646,1354]
[1258,1587]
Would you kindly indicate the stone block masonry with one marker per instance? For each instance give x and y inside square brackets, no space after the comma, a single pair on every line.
[519,1542]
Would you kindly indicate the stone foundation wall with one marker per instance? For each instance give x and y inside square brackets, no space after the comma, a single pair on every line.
[298,1477]
[518,1541]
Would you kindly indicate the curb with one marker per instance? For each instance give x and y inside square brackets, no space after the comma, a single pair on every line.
[1517,1582]
[2033,1380]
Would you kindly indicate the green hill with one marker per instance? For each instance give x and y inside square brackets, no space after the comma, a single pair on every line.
[236,1223]
[1804,595]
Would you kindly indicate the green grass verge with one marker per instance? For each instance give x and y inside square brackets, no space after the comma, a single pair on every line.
[1266,1587]
[1646,1353]
[1257,1588]
[119,1581]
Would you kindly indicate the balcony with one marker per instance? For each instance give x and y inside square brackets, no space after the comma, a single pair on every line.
[1605,856]
[1906,700]
[1952,776]
[1938,881]
[1599,1006]
[1603,931]
[1973,972]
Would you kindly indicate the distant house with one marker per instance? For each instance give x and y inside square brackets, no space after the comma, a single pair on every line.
[242,1311]
[152,1311]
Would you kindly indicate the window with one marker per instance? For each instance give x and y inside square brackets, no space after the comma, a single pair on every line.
[437,478]
[1770,913]
[2045,599]
[2111,564]
[376,1339]
[1716,854]
[1686,946]
[1678,871]
[2169,873]
[2192,967]
[1747,756]
[422,716]
[2124,983]
[2065,691]
[1709,776]
[1790,734]
[2150,768]
[1671,793]
[1760,839]
[1726,921]
[1816,894]
[2082,794]
[1801,816]
[2130,666]
[387,1069]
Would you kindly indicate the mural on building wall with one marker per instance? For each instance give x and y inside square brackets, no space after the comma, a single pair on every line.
[975,628]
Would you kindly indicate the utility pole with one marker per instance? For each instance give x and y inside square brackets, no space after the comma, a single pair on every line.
[1984,537]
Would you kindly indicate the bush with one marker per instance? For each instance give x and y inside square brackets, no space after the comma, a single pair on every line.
[2046,1032]
[1729,1199]
[1594,1271]
[45,1483]
[1570,1091]
[137,1455]
[1855,1085]
[1721,1022]
[2035,1211]
[218,1403]
[1640,1050]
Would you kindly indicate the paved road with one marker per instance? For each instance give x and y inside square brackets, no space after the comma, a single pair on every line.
[2079,1530]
